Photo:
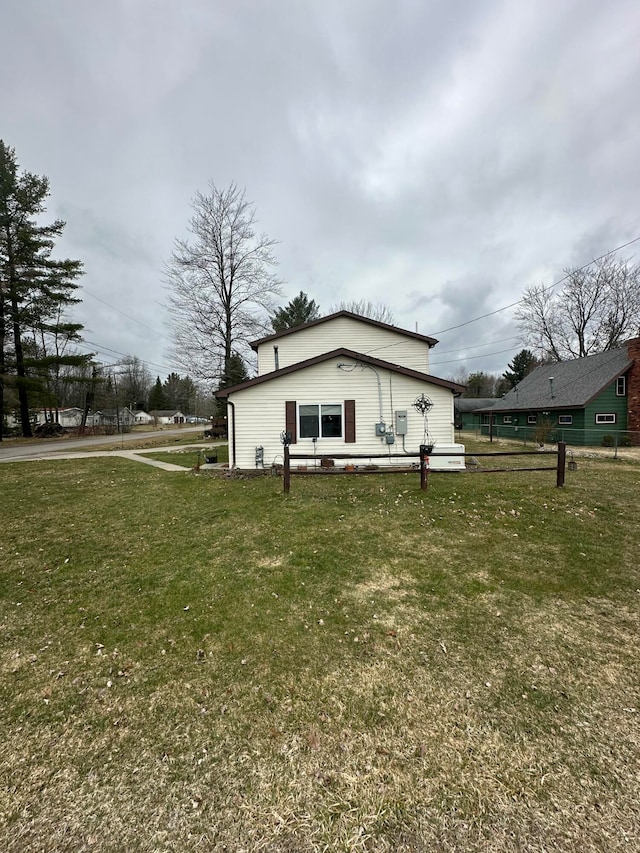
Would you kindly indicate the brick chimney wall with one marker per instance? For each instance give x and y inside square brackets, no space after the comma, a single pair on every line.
[633,390]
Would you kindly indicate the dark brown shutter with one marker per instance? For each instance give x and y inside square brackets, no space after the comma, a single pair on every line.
[290,419]
[350,421]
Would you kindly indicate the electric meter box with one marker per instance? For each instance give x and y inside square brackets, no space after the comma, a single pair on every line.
[381,428]
[401,422]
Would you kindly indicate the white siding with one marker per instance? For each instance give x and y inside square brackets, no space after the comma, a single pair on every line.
[260,412]
[364,338]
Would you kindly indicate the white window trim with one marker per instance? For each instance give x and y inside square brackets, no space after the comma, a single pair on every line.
[565,420]
[611,418]
[621,383]
[301,403]
[507,419]
[532,419]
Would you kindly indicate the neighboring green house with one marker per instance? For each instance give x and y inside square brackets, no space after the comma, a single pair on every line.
[467,416]
[588,401]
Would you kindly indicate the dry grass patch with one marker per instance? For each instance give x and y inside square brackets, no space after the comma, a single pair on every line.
[194,663]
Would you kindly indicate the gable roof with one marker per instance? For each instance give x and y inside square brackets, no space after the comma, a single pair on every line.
[341,352]
[575,383]
[430,342]
[165,413]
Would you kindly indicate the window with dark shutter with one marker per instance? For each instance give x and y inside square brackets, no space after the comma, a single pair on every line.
[350,421]
[290,419]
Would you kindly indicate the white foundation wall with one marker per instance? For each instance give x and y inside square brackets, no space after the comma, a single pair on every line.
[344,332]
[260,415]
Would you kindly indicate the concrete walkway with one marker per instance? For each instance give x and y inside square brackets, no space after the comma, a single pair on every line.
[13,451]
[132,455]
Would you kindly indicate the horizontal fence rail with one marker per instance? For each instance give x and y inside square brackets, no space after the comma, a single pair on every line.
[424,456]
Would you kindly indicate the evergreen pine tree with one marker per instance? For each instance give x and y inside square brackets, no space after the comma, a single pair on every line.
[522,365]
[157,398]
[300,310]
[35,289]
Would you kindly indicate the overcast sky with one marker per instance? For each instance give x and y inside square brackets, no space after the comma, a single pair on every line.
[434,156]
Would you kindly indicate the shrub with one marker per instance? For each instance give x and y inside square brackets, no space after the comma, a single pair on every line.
[543,431]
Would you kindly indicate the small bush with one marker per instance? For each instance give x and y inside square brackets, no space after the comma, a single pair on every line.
[543,431]
[607,441]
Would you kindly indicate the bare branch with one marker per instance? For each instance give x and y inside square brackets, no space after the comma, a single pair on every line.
[597,310]
[221,285]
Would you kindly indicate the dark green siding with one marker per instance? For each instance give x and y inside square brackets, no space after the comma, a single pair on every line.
[608,402]
[582,431]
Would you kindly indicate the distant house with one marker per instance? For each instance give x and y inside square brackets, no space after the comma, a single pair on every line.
[143,418]
[467,416]
[167,416]
[586,401]
[69,418]
[111,418]
[340,384]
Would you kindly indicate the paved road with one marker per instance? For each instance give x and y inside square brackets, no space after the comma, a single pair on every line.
[48,448]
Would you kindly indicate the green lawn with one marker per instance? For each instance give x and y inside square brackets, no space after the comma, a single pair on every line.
[197,663]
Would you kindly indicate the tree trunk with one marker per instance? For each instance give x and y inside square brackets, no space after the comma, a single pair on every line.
[2,360]
[21,373]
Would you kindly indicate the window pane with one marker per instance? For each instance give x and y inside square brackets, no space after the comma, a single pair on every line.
[309,422]
[331,420]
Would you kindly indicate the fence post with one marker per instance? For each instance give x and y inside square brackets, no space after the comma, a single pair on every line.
[562,458]
[286,474]
[424,467]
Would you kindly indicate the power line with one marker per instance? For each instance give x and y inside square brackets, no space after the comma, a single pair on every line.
[112,352]
[499,310]
[477,346]
[113,308]
[470,357]
[544,289]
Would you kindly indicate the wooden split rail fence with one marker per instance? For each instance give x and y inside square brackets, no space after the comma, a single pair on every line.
[424,457]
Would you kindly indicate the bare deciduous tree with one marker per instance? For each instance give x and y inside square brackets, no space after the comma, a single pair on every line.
[366,308]
[220,282]
[135,381]
[598,308]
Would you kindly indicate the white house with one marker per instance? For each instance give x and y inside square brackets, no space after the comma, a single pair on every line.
[167,416]
[341,383]
[65,417]
[141,417]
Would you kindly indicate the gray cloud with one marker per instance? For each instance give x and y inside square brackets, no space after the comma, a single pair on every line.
[436,157]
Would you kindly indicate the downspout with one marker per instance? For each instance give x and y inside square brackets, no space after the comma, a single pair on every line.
[233,431]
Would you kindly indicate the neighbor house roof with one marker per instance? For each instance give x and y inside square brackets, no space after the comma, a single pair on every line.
[565,384]
[341,352]
[165,413]
[431,342]
[472,404]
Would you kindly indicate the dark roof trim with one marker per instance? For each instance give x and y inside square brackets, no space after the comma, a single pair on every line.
[341,352]
[431,342]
